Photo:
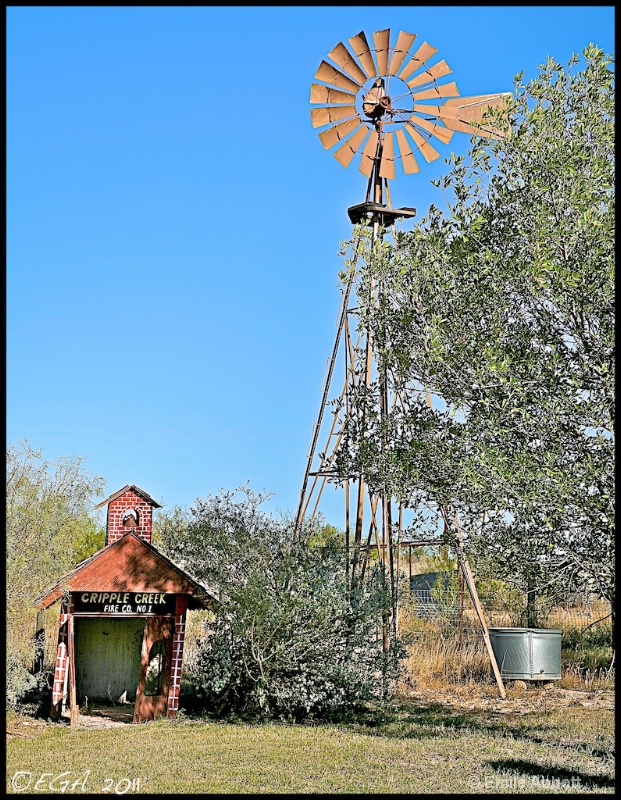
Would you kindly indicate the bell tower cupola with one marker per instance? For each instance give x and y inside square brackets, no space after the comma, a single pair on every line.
[129,509]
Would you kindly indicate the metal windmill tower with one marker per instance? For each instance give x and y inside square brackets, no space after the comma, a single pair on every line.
[385,104]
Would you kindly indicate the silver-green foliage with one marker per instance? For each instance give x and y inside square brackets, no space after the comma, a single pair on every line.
[288,638]
[503,309]
[50,526]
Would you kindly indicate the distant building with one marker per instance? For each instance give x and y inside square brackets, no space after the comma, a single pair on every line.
[422,585]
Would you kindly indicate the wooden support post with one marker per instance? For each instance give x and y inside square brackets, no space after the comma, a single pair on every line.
[74,711]
[387,550]
[347,583]
[358,531]
[365,559]
[460,613]
[410,560]
[398,568]
[479,610]
[391,565]
[474,596]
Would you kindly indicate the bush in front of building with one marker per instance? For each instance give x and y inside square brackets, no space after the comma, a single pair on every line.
[289,638]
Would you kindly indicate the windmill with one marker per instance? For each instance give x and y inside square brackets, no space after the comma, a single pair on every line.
[383,107]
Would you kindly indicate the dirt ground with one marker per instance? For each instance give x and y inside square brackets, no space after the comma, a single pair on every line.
[519,700]
[107,717]
[535,698]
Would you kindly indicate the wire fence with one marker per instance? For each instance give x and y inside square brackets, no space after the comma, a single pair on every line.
[448,612]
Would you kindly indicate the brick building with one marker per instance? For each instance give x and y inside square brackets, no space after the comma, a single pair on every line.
[122,618]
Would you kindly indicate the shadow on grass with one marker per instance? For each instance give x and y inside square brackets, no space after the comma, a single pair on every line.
[433,719]
[581,779]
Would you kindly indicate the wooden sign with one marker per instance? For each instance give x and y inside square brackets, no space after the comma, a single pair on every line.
[154,603]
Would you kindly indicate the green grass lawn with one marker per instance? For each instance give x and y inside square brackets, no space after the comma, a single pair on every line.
[406,748]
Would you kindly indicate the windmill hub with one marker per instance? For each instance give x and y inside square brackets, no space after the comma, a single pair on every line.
[384,105]
[378,110]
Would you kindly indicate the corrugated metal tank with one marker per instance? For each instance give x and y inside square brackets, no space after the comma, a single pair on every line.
[527,653]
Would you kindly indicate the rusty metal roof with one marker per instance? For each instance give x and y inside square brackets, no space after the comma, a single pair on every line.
[129,488]
[130,564]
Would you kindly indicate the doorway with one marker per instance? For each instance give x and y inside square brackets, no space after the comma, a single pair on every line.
[108,657]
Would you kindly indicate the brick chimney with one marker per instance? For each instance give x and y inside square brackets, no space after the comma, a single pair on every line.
[129,509]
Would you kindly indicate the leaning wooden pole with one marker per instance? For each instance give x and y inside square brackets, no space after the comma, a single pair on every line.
[477,605]
[474,596]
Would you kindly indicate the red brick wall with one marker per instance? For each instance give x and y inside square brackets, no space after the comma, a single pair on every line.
[177,655]
[114,523]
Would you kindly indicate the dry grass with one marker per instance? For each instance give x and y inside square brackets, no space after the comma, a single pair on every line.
[436,658]
[573,677]
[435,664]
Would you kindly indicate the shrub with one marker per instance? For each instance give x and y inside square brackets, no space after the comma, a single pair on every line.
[590,649]
[50,525]
[289,639]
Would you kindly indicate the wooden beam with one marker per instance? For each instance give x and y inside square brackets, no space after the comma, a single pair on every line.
[74,711]
[474,596]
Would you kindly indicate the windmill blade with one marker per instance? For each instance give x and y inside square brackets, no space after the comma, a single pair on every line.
[381,39]
[341,56]
[323,94]
[429,111]
[429,152]
[333,135]
[345,152]
[368,154]
[445,90]
[437,71]
[404,42]
[424,53]
[460,113]
[440,132]
[362,51]
[323,116]
[407,156]
[329,74]
[387,164]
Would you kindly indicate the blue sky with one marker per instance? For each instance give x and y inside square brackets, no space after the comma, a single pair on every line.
[173,226]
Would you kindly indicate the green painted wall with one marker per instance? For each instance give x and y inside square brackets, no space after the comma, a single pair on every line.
[108,656]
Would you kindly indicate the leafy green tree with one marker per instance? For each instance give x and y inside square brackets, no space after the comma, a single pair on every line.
[288,639]
[50,526]
[503,310]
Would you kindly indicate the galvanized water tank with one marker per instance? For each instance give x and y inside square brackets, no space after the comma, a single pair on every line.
[531,654]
